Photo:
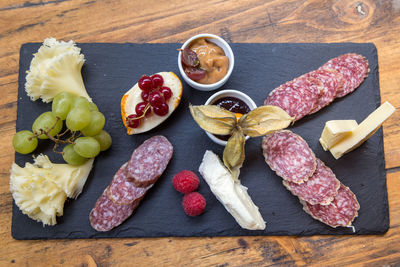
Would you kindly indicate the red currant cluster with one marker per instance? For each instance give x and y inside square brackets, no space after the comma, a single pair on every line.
[154,96]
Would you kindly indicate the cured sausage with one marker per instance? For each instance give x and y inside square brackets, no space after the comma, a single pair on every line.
[289,156]
[297,97]
[312,91]
[353,67]
[106,214]
[332,82]
[320,192]
[320,188]
[121,197]
[340,212]
[149,161]
[120,191]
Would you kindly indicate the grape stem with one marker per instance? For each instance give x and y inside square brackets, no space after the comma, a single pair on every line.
[57,139]
[62,134]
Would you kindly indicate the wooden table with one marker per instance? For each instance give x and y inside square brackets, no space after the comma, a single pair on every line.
[175,21]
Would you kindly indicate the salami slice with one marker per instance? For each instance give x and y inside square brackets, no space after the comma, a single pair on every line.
[289,156]
[311,84]
[106,214]
[332,81]
[353,67]
[149,161]
[297,97]
[320,188]
[340,212]
[122,192]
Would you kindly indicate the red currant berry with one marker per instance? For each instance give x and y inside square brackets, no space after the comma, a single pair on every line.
[140,107]
[145,96]
[145,83]
[161,110]
[156,99]
[166,91]
[158,80]
[132,122]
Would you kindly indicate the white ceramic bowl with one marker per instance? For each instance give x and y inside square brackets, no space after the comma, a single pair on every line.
[228,52]
[233,93]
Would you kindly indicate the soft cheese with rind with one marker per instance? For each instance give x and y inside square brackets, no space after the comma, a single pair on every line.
[230,193]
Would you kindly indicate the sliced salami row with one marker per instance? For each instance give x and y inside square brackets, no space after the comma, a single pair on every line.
[308,178]
[130,184]
[312,91]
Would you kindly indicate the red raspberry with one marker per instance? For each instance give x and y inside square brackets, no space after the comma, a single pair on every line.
[185,181]
[194,204]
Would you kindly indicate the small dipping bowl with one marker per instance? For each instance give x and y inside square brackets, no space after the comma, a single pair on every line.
[225,93]
[228,53]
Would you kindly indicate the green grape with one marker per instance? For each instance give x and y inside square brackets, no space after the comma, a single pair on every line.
[81,102]
[78,118]
[104,140]
[93,107]
[24,142]
[96,124]
[71,157]
[87,147]
[61,105]
[46,121]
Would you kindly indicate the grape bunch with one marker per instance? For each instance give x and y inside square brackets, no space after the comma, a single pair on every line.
[154,95]
[84,122]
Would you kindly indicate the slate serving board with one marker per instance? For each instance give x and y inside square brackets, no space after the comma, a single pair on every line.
[111,69]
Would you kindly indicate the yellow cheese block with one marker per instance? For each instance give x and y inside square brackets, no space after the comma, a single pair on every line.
[335,131]
[363,131]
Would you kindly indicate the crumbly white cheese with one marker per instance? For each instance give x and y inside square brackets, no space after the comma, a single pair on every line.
[231,194]
[40,189]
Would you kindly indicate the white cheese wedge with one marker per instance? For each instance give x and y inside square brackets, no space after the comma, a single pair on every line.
[363,131]
[335,131]
[230,193]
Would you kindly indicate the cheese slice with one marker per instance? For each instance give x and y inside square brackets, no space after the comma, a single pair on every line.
[230,193]
[364,131]
[335,131]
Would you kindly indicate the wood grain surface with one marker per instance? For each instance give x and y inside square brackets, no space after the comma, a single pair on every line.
[175,21]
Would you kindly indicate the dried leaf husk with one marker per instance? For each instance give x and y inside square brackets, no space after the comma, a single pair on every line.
[234,152]
[263,120]
[213,119]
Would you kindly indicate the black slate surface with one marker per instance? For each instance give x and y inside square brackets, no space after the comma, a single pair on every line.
[111,69]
